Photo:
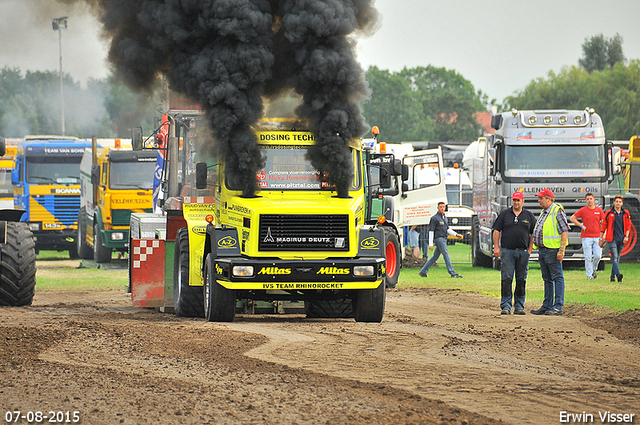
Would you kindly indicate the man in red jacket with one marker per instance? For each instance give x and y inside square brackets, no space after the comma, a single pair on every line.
[615,231]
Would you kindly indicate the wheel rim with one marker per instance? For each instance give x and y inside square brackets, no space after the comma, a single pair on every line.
[178,289]
[390,253]
[207,289]
[631,243]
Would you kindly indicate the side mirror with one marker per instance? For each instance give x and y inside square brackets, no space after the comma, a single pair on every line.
[95,174]
[405,173]
[15,176]
[492,161]
[397,167]
[385,175]
[3,146]
[496,121]
[136,138]
[617,160]
[201,175]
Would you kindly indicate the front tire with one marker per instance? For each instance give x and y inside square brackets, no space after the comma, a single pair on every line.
[393,255]
[83,248]
[219,302]
[18,266]
[478,259]
[101,254]
[187,300]
[368,304]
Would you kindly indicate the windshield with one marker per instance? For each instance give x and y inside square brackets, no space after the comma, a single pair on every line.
[424,171]
[554,161]
[54,170]
[131,175]
[286,168]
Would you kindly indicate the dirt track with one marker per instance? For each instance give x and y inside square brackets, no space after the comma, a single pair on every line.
[438,357]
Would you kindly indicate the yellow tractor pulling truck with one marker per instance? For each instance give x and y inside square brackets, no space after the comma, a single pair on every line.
[295,240]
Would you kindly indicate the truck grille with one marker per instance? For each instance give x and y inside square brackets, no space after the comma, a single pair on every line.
[64,208]
[298,232]
[123,217]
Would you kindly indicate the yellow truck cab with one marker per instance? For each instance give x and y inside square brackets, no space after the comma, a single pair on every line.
[116,181]
[294,240]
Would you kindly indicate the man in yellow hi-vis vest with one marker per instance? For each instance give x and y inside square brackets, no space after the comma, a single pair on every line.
[550,236]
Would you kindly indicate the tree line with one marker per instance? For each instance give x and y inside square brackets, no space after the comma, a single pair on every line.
[418,104]
[30,104]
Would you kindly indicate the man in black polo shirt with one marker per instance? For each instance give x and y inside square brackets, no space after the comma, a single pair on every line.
[514,247]
[439,232]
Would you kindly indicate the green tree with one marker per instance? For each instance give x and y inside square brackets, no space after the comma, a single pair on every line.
[394,108]
[424,103]
[448,100]
[600,52]
[106,108]
[613,93]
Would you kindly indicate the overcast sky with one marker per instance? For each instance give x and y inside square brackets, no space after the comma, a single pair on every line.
[498,45]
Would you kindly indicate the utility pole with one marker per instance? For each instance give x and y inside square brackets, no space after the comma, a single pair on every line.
[58,24]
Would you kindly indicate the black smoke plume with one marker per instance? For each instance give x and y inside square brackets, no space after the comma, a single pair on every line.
[228,54]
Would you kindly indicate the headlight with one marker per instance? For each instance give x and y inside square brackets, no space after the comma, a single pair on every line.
[242,271]
[363,271]
[117,236]
[34,227]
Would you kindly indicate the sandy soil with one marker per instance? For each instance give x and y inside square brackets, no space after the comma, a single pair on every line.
[441,357]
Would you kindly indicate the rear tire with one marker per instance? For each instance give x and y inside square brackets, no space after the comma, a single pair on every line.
[328,309]
[83,248]
[368,304]
[631,250]
[101,254]
[187,300]
[18,266]
[393,255]
[219,302]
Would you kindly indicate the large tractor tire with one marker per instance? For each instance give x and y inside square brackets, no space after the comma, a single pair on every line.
[18,266]
[101,254]
[83,248]
[188,301]
[328,309]
[478,259]
[219,302]
[631,250]
[73,251]
[368,304]
[393,254]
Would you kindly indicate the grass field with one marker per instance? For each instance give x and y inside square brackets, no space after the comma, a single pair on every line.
[56,271]
[578,289]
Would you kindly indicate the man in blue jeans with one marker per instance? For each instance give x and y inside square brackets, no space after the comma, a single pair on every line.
[512,243]
[550,236]
[438,233]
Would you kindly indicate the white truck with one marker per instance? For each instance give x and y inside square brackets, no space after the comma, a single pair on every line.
[562,150]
